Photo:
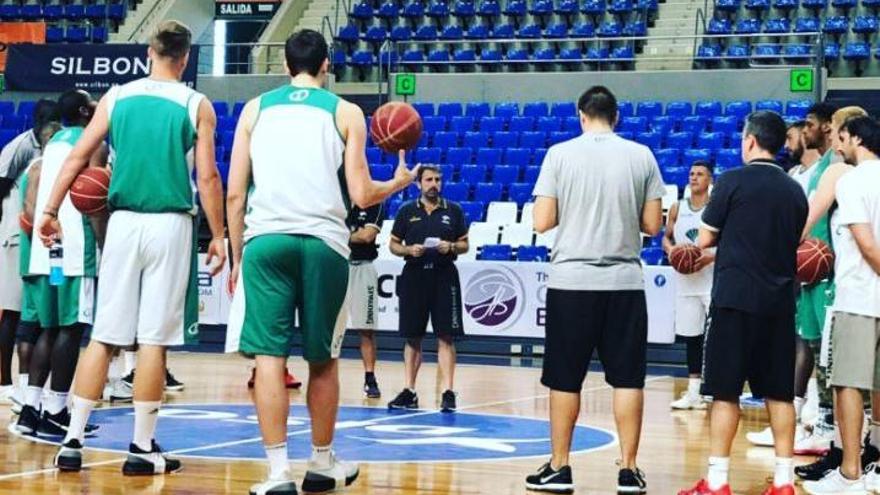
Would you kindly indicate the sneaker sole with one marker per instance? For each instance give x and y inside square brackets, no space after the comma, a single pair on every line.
[69,468]
[551,488]
[447,410]
[175,388]
[373,396]
[414,406]
[140,469]
[325,484]
[278,492]
[631,489]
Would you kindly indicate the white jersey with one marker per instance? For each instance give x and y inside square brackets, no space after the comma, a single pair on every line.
[14,159]
[803,176]
[298,183]
[687,228]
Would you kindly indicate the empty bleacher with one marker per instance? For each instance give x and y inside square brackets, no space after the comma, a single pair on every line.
[70,21]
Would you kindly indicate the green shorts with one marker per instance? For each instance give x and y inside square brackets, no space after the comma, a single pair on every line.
[282,275]
[812,304]
[58,305]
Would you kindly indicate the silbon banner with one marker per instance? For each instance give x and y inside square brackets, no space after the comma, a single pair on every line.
[53,68]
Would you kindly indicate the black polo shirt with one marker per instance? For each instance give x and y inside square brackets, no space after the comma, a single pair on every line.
[414,224]
[759,213]
[359,218]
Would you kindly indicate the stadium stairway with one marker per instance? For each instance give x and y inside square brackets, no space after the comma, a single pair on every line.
[314,15]
[675,18]
[197,14]
[287,19]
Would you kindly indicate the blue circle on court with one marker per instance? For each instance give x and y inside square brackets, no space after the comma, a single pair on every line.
[363,434]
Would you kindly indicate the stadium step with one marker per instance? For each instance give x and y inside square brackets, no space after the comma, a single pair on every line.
[676,18]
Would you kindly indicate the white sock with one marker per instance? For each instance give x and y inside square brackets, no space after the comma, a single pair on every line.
[798,407]
[694,386]
[80,409]
[717,475]
[23,383]
[875,433]
[32,396]
[115,371]
[321,456]
[783,473]
[278,463]
[130,362]
[146,414]
[55,402]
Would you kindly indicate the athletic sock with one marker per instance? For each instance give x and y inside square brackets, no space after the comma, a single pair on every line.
[80,409]
[783,473]
[798,407]
[717,475]
[55,402]
[321,456]
[694,386]
[875,433]
[22,384]
[146,414]
[278,463]
[32,396]
[116,369]
[130,362]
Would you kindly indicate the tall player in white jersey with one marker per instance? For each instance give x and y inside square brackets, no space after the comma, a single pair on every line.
[298,157]
[693,291]
[148,272]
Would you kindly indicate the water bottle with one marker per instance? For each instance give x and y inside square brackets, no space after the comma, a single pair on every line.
[56,272]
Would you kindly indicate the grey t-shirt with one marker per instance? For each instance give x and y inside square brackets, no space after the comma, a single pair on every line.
[601,183]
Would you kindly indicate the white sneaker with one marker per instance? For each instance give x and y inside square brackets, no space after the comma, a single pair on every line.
[872,478]
[274,487]
[815,442]
[117,391]
[324,479]
[835,483]
[688,402]
[763,438]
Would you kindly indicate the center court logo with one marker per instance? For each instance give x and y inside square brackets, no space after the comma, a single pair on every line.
[494,297]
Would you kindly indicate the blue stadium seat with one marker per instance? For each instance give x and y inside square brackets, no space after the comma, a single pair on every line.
[492,124]
[426,33]
[571,54]
[566,8]
[593,7]
[459,156]
[625,109]
[583,30]
[521,192]
[865,24]
[505,140]
[506,109]
[837,24]
[557,30]
[74,12]
[748,26]
[633,124]
[75,34]
[724,124]
[455,191]
[679,109]
[464,10]
[708,109]
[771,105]
[461,124]
[401,33]
[796,52]
[432,124]
[529,31]
[719,26]
[635,28]
[7,108]
[558,137]
[117,11]
[531,173]
[735,52]
[362,11]
[472,174]
[690,156]
[488,156]
[572,124]
[815,5]
[53,13]
[348,34]
[518,55]
[450,109]
[424,109]
[807,25]
[844,4]
[446,170]
[522,124]
[393,208]
[54,34]
[375,35]
[544,55]
[452,33]
[620,7]
[491,56]
[777,26]
[667,158]
[680,140]
[797,108]
[363,59]
[710,140]
[413,10]
[758,5]
[728,5]
[728,158]
[486,192]
[857,51]
[474,211]
[832,50]
[99,34]
[381,171]
[536,109]
[650,139]
[532,253]
[496,252]
[477,32]
[504,31]
[693,124]
[388,11]
[489,8]
[31,12]
[649,109]
[652,256]
[517,156]
[505,174]
[549,124]
[532,140]
[766,51]
[663,125]
[14,122]
[738,109]
[428,155]
[610,29]
[10,12]
[476,139]
[538,156]
[437,10]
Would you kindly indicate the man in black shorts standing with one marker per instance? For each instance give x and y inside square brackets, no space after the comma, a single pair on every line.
[601,190]
[429,233]
[755,218]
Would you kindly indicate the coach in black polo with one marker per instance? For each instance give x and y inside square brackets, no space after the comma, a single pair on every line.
[755,218]
[429,233]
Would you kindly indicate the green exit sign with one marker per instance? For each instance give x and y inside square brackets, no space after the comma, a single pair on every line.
[405,84]
[801,80]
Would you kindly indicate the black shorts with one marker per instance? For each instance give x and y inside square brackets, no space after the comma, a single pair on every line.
[744,346]
[613,322]
[429,291]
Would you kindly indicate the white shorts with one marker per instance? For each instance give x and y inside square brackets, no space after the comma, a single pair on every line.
[363,296]
[143,279]
[10,279]
[690,315]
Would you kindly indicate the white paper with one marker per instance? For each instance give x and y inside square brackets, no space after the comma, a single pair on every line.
[432,242]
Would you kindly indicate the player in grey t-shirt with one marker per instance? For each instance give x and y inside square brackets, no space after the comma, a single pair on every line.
[601,191]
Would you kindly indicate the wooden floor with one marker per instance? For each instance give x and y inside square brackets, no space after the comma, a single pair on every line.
[673,450]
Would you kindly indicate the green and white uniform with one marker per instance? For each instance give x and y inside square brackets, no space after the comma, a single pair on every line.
[148,291]
[815,299]
[295,260]
[693,291]
[74,300]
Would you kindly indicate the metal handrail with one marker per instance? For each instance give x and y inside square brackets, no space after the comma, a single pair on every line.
[700,14]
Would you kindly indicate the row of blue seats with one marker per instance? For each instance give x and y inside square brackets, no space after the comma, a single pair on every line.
[835,25]
[471,174]
[515,56]
[77,34]
[853,51]
[505,252]
[376,35]
[474,211]
[654,256]
[788,5]
[55,13]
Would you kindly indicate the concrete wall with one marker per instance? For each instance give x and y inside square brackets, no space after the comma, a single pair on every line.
[665,86]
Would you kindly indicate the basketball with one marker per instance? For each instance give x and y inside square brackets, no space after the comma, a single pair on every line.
[683,258]
[27,226]
[814,261]
[89,191]
[396,126]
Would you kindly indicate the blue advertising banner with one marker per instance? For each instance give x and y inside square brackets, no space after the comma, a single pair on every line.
[94,68]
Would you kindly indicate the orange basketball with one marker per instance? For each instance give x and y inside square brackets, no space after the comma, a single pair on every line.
[396,126]
[814,261]
[89,190]
[683,258]
[26,224]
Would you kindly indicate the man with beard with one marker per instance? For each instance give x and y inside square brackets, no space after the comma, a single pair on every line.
[429,233]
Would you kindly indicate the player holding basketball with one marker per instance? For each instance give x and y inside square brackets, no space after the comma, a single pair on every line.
[299,154]
[148,269]
[692,290]
[856,310]
[751,331]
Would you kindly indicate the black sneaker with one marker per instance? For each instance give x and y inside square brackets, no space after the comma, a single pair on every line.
[822,466]
[371,389]
[56,425]
[69,456]
[406,399]
[141,463]
[28,420]
[548,480]
[129,379]
[631,481]
[870,455]
[447,402]
[171,383]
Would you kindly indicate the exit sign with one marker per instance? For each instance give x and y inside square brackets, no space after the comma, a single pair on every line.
[801,80]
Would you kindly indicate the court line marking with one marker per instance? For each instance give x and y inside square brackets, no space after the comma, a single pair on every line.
[344,425]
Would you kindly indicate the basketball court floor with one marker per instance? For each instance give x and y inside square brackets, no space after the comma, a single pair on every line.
[499,435]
